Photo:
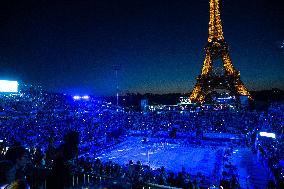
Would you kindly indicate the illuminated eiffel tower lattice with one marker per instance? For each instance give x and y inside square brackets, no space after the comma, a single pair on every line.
[216,49]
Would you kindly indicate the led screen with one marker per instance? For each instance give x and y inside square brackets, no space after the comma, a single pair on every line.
[8,86]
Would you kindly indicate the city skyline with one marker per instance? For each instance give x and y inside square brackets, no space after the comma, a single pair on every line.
[72,46]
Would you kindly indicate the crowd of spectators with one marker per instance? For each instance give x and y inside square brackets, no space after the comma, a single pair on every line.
[34,126]
[271,150]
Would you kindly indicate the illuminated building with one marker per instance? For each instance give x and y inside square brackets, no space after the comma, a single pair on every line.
[216,49]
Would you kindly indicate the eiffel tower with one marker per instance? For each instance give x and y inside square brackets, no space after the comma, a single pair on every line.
[217,48]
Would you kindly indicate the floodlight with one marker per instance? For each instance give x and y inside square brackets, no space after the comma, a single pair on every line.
[265,134]
[86,97]
[76,97]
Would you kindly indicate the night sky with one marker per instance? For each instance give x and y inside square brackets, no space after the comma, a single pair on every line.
[72,46]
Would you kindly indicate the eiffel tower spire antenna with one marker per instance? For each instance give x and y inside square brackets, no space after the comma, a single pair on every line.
[215,49]
[215,23]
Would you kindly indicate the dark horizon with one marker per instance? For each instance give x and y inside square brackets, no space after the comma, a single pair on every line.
[72,46]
